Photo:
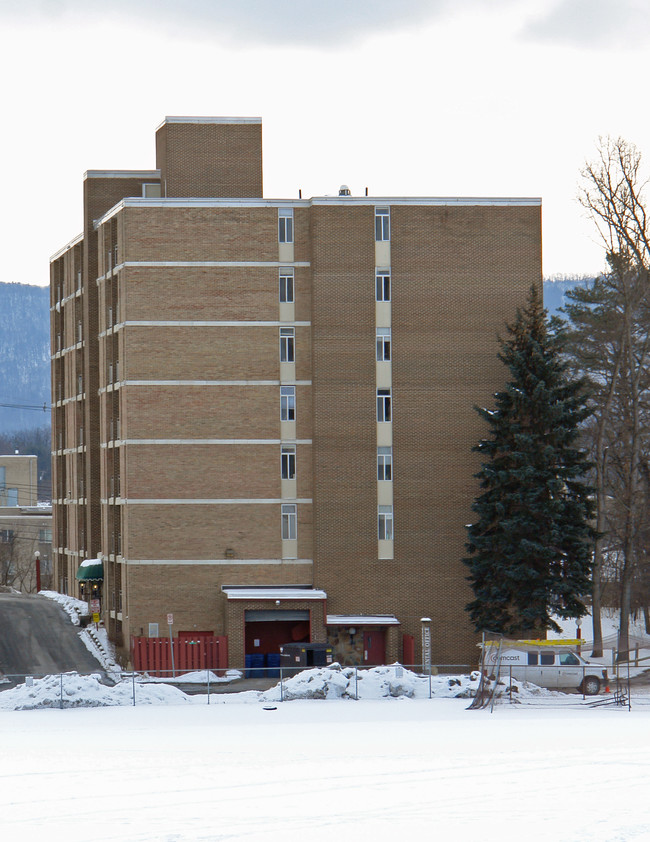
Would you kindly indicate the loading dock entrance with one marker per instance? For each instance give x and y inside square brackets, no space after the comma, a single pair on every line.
[268,630]
[261,619]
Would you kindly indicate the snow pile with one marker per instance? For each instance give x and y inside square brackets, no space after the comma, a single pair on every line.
[97,643]
[72,690]
[196,677]
[333,683]
[74,608]
[337,682]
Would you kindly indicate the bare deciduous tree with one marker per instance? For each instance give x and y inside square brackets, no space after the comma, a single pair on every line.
[613,194]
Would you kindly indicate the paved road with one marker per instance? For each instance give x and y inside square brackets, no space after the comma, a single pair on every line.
[38,638]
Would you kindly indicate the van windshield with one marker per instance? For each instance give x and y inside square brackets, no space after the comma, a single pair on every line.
[568,659]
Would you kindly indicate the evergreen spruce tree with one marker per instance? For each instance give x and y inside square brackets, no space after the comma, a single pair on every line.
[530,551]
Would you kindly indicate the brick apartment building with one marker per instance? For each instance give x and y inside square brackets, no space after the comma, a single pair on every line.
[263,409]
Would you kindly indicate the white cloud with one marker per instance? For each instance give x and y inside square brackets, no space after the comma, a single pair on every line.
[298,22]
[593,23]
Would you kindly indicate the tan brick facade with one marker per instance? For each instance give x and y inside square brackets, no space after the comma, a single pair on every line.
[182,334]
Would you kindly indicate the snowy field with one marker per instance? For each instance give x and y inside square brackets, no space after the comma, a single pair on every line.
[325,770]
[320,765]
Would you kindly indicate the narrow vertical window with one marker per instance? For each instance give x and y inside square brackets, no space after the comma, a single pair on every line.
[382,224]
[382,285]
[287,403]
[383,344]
[285,225]
[286,286]
[385,523]
[384,463]
[383,405]
[288,462]
[289,522]
[287,345]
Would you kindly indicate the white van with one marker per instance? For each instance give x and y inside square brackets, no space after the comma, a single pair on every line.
[549,664]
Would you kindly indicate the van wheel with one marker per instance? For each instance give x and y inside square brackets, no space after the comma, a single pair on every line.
[591,685]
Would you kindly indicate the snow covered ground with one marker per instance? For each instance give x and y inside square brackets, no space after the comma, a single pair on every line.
[320,765]
[325,770]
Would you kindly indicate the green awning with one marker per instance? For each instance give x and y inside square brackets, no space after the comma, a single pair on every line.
[91,570]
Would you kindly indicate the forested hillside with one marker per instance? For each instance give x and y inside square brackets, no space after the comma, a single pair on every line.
[556,288]
[24,356]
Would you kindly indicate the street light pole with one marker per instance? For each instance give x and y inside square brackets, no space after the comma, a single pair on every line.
[37,559]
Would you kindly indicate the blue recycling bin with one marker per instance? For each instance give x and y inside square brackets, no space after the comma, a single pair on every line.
[272,665]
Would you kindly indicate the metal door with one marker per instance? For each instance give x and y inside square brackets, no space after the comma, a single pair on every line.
[374,647]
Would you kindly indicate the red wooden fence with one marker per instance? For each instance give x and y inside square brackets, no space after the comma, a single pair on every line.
[153,654]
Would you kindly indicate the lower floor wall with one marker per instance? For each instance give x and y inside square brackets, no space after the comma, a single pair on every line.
[138,601]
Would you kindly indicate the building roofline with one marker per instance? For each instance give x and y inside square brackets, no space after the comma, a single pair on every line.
[122,174]
[17,456]
[73,242]
[227,121]
[371,201]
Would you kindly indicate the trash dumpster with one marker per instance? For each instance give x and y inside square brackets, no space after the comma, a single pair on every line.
[301,656]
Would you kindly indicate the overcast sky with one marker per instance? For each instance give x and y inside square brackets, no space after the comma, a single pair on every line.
[416,97]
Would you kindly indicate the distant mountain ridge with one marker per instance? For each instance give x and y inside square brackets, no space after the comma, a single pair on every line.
[25,348]
[24,355]
[556,288]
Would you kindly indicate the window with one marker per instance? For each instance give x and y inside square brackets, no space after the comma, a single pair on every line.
[532,659]
[287,342]
[568,659]
[6,536]
[288,462]
[287,403]
[3,477]
[546,659]
[382,284]
[285,225]
[286,286]
[385,523]
[383,405]
[384,463]
[45,536]
[289,522]
[382,224]
[151,190]
[383,344]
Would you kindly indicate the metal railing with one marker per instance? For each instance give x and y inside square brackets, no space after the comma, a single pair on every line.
[62,689]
